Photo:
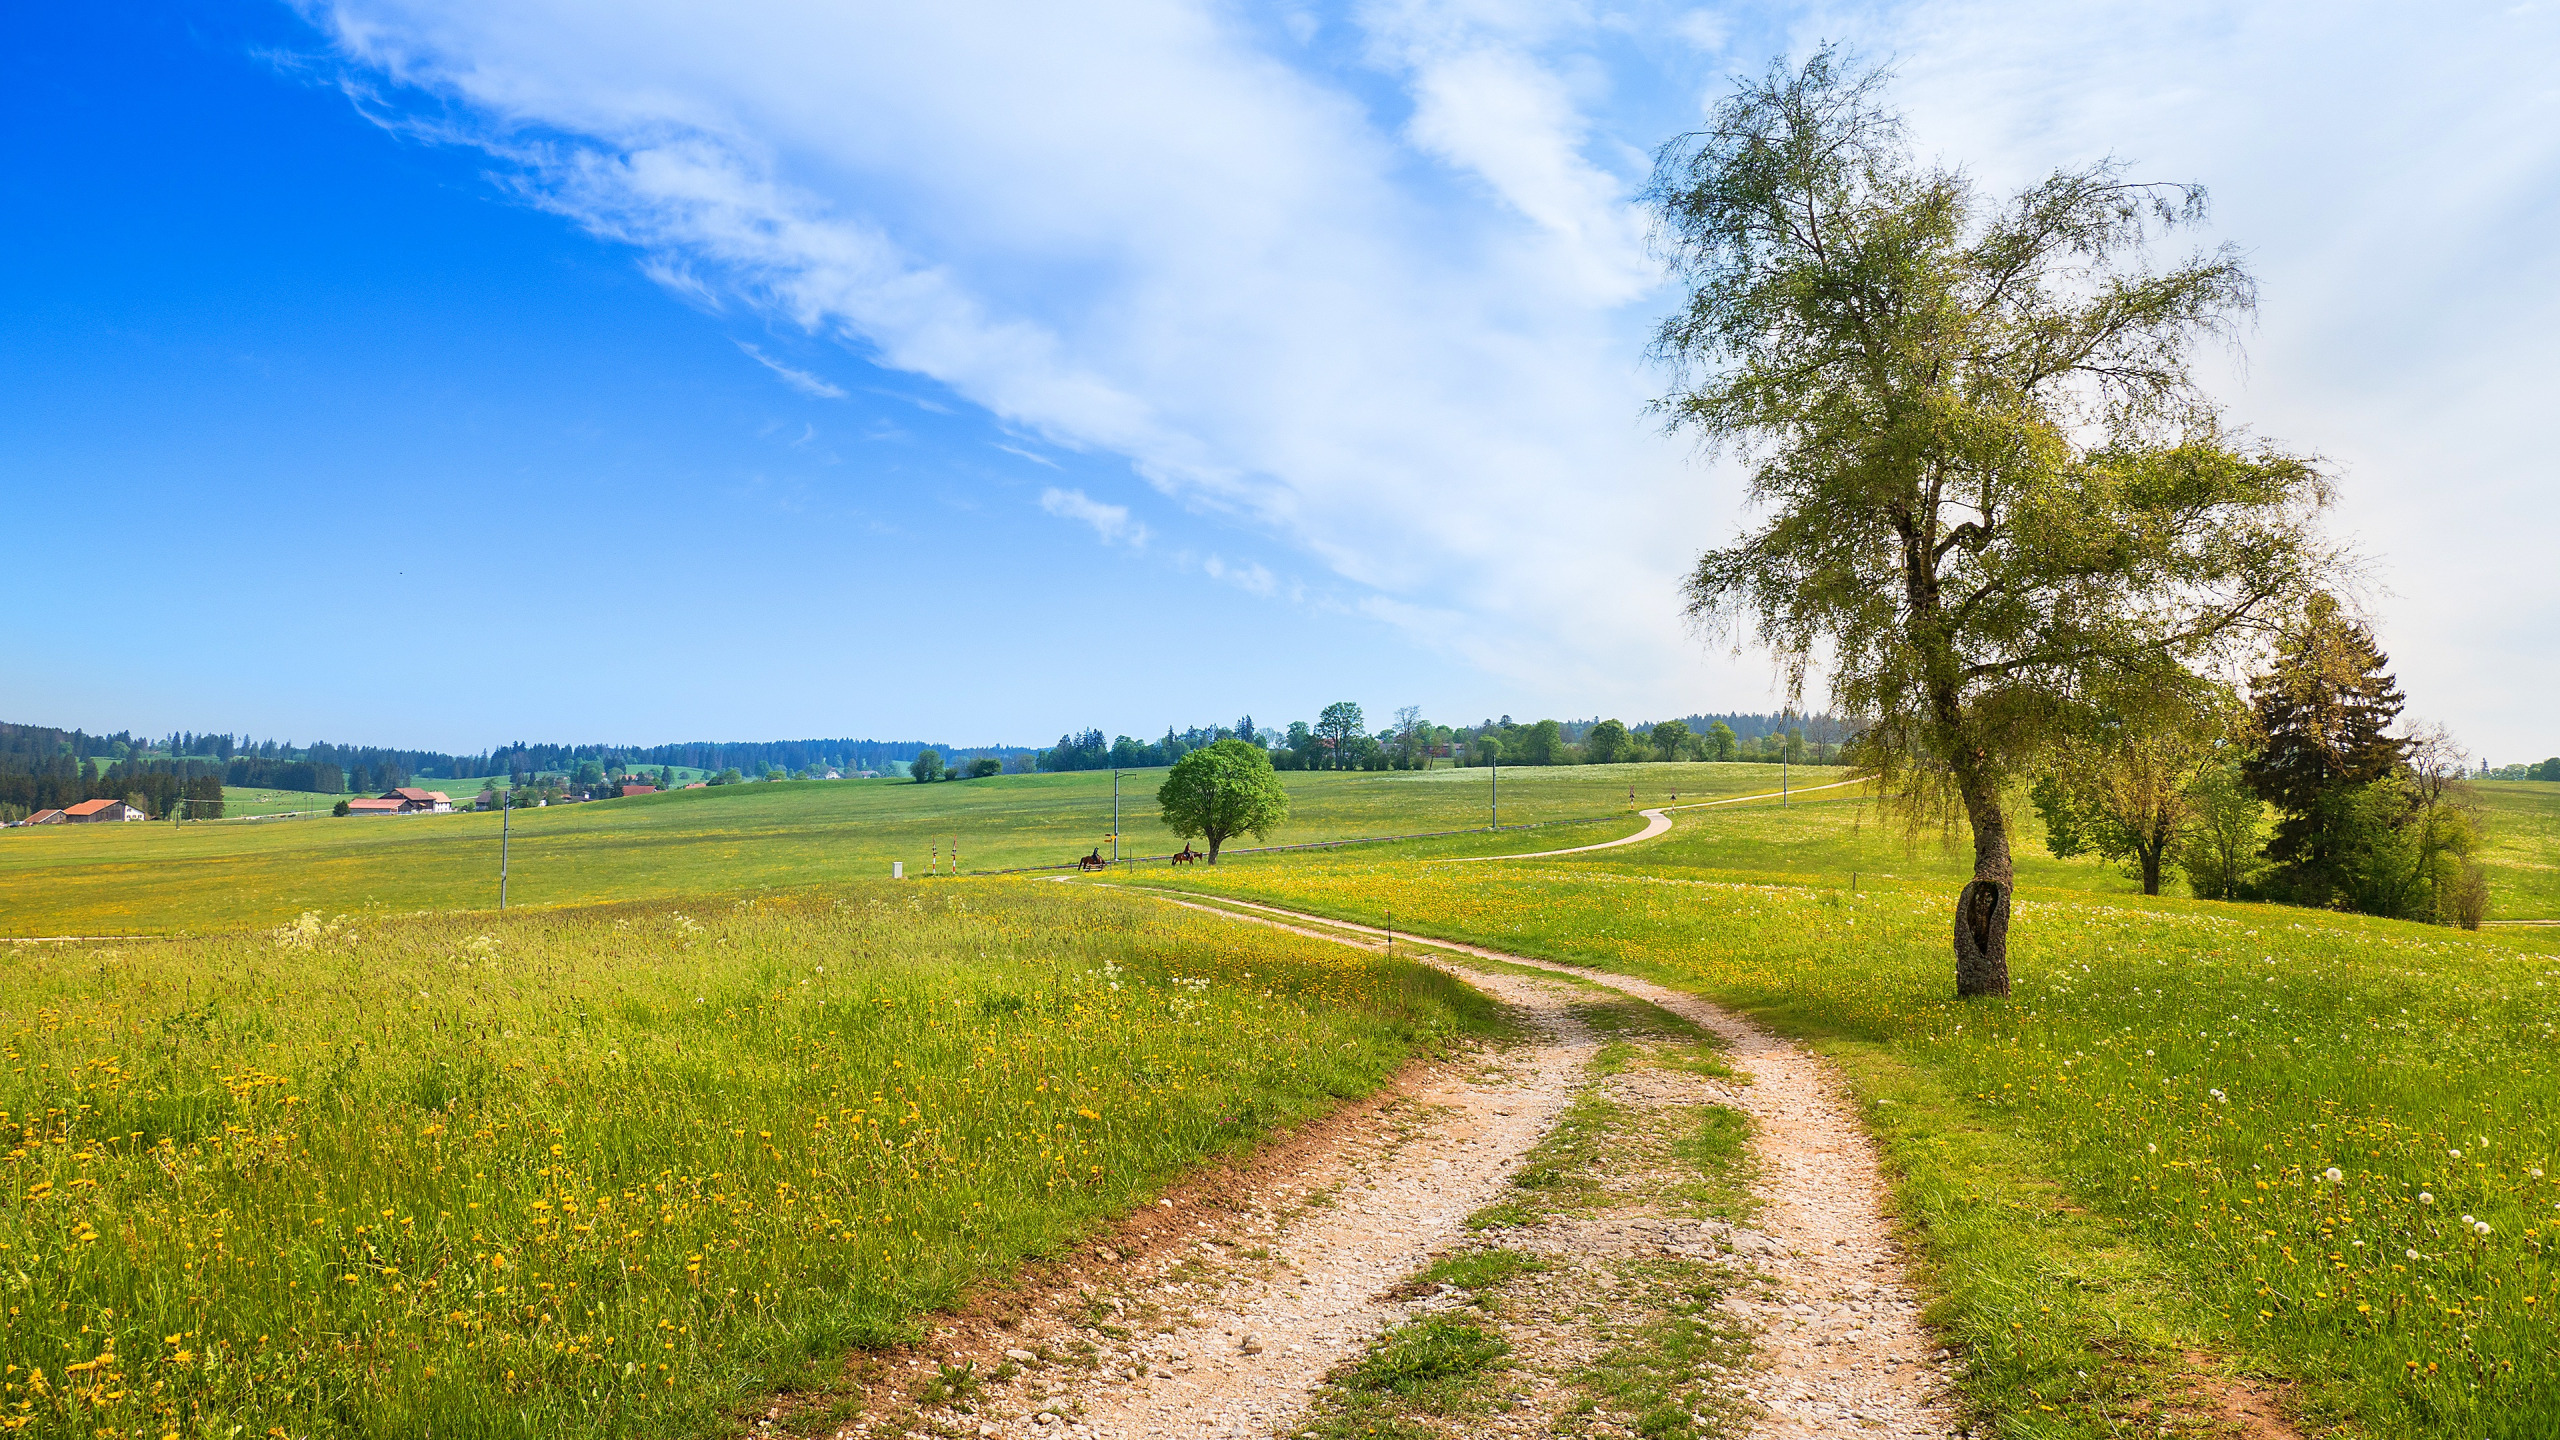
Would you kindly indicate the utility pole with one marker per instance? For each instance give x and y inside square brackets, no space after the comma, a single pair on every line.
[1115,814]
[506,811]
[1497,790]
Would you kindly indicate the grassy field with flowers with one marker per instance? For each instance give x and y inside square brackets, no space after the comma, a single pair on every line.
[612,1171]
[2309,1147]
[151,879]
[2520,847]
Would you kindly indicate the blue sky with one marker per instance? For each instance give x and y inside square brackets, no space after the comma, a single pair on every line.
[450,374]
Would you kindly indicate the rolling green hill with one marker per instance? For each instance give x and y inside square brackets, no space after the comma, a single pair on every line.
[156,879]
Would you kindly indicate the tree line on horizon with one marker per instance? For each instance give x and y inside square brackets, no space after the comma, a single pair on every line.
[1339,739]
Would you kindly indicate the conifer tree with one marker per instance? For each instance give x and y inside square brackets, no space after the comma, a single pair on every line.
[2323,708]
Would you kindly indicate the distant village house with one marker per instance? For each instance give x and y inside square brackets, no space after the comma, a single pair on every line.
[91,811]
[406,800]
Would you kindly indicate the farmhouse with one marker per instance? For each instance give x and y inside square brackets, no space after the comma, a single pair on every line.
[630,790]
[44,817]
[415,801]
[91,811]
[386,805]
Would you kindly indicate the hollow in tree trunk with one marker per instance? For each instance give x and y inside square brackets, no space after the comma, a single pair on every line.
[1982,911]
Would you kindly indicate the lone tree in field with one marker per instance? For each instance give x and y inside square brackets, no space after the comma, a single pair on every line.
[1221,791]
[1992,485]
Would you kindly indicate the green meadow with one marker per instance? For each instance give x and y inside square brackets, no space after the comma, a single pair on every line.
[2520,847]
[619,1170]
[723,1100]
[160,879]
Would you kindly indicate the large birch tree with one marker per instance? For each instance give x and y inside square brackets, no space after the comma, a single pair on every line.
[1989,485]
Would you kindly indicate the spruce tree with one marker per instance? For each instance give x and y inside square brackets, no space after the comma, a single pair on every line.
[2322,708]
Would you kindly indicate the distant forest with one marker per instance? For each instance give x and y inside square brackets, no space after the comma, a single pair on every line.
[43,768]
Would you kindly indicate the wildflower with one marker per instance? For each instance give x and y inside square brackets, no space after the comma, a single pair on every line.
[2333,1175]
[2426,1199]
[2456,1154]
[2412,1254]
[2480,1227]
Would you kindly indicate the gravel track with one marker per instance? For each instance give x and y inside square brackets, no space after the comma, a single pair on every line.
[1841,1347]
[1230,1335]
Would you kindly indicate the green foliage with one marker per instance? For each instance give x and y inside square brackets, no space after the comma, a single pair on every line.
[1721,744]
[2221,854]
[1337,729]
[1544,745]
[2065,827]
[1608,742]
[926,767]
[984,766]
[2123,783]
[1671,740]
[1221,791]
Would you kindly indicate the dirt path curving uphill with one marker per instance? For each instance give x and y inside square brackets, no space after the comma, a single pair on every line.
[1656,821]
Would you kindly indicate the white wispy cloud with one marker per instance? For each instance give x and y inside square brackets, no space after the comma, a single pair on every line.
[1034,458]
[1110,522]
[1388,310]
[800,380]
[1147,235]
[1252,576]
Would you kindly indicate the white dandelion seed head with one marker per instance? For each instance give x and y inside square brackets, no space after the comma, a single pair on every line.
[2333,1174]
[2413,1254]
[2480,1226]
[2426,1199]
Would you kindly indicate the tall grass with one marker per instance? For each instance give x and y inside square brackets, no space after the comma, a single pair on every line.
[2334,1142]
[608,1172]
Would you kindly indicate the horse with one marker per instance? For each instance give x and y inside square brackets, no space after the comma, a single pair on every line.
[1186,854]
[1093,861]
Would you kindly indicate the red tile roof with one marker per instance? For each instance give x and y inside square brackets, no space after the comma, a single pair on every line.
[631,790]
[89,807]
